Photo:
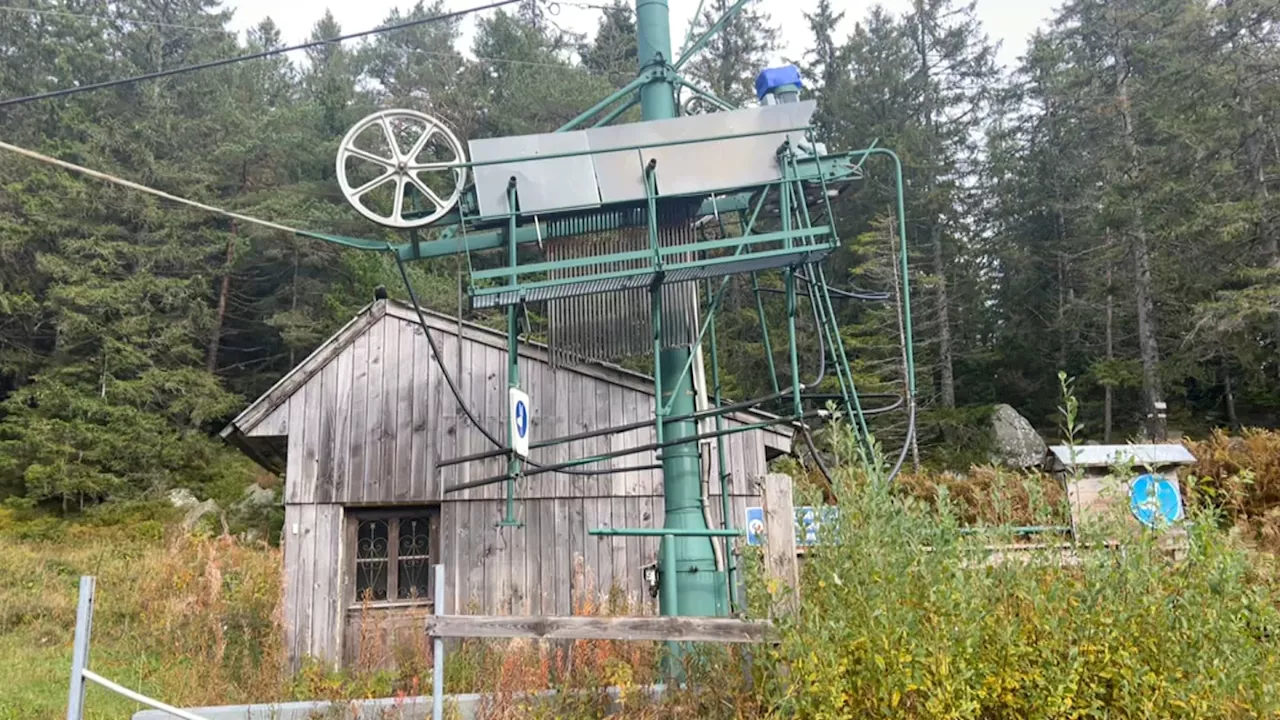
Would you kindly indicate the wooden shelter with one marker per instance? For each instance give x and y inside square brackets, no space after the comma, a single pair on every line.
[359,431]
[1097,477]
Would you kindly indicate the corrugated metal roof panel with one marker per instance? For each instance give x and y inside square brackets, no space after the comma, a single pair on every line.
[1109,455]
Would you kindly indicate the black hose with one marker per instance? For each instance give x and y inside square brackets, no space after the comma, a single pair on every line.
[817,326]
[911,435]
[453,388]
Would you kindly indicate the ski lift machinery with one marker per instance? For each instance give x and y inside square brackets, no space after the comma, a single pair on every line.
[627,237]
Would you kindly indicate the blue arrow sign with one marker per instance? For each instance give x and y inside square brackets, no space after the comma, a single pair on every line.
[522,419]
[518,421]
[1155,500]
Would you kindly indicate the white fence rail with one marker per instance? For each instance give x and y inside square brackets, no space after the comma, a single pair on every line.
[80,671]
[438,628]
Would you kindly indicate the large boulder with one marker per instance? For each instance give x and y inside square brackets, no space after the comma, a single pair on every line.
[256,496]
[197,513]
[182,498]
[1017,444]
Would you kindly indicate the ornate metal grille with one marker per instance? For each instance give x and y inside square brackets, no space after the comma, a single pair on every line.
[413,561]
[393,555]
[372,558]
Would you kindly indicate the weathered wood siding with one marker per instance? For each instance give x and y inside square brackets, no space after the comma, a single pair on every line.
[368,417]
[313,561]
[370,424]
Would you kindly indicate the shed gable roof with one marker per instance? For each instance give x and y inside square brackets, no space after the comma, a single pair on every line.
[251,420]
[1106,456]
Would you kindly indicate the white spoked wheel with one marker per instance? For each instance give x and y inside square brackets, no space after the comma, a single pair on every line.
[401,168]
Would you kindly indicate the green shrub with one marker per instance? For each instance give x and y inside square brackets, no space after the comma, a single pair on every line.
[903,617]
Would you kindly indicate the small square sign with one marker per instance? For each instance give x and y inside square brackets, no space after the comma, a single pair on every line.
[808,522]
[755,525]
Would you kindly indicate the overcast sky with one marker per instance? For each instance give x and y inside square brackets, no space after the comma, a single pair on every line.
[1009,22]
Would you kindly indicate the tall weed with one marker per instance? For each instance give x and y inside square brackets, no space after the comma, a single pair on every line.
[902,617]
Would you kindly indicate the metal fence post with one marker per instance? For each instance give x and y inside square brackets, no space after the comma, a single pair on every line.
[437,652]
[80,653]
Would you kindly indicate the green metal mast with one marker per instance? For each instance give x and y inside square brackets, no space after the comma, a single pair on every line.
[697,585]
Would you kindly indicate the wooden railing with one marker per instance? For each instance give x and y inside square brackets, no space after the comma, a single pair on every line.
[583,627]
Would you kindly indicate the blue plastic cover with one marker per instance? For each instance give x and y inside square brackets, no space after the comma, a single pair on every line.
[771,79]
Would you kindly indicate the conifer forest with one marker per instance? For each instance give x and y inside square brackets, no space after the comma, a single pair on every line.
[1104,207]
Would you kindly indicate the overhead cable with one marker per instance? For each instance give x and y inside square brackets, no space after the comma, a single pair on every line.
[107,177]
[438,356]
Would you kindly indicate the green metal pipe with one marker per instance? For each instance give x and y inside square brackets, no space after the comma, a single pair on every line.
[513,364]
[764,331]
[682,471]
[711,32]
[663,532]
[655,320]
[842,365]
[653,48]
[617,112]
[688,564]
[792,351]
[651,203]
[785,210]
[668,583]
[730,564]
[611,99]
[706,95]
[693,23]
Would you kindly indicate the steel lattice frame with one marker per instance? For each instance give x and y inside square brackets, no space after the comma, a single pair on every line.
[655,264]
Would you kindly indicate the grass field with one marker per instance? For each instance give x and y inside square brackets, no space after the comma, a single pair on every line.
[900,617]
[185,619]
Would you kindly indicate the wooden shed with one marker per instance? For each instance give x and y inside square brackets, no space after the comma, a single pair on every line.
[1098,477]
[358,431]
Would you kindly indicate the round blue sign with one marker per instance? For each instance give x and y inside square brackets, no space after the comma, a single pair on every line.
[1154,500]
[522,419]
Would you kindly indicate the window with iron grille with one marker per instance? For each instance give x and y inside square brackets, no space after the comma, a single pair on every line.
[393,554]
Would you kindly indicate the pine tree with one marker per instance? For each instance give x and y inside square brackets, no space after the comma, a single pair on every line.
[732,59]
[612,52]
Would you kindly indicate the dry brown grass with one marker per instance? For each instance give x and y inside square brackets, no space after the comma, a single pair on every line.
[191,620]
[1240,475]
[989,495]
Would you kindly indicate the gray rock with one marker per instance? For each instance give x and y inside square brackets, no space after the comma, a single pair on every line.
[1017,444]
[182,498]
[198,511]
[257,496]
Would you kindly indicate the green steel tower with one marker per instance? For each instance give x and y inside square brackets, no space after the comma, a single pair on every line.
[696,578]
